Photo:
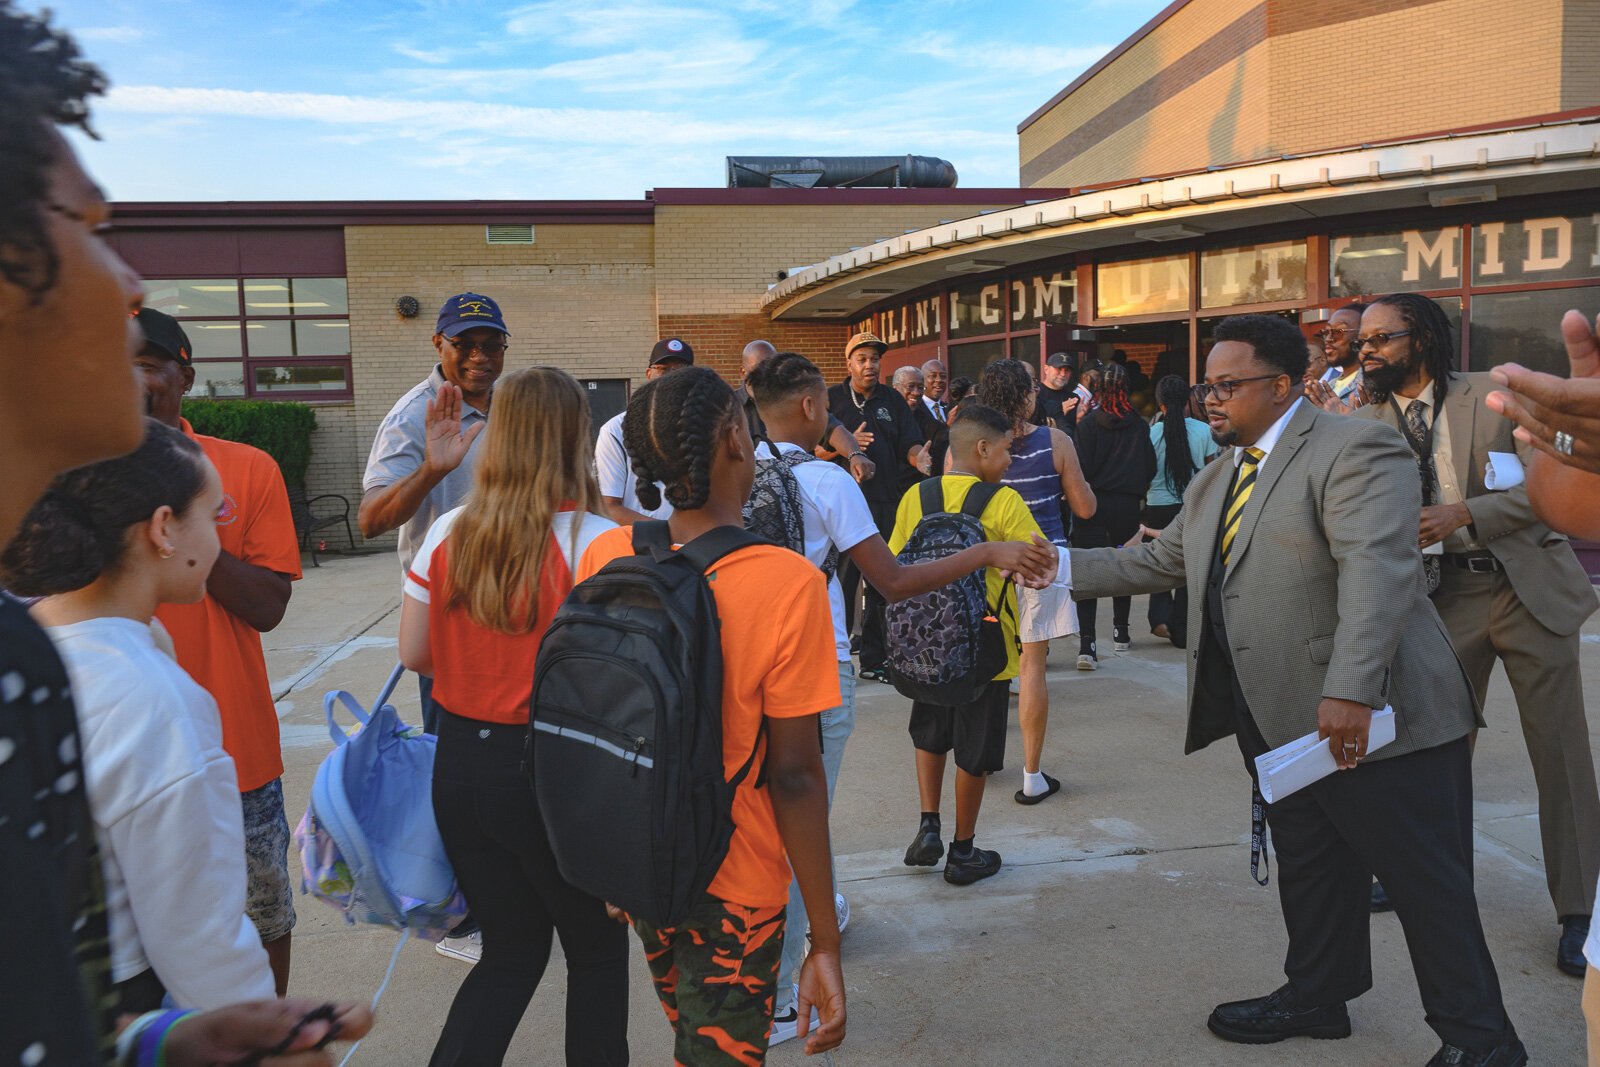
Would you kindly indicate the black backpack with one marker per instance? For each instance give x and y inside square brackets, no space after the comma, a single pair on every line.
[775,510]
[946,646]
[625,730]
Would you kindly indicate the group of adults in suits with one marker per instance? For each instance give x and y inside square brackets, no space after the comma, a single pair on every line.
[1342,557]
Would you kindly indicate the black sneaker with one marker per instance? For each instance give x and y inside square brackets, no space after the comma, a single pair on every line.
[873,674]
[977,864]
[1121,639]
[926,848]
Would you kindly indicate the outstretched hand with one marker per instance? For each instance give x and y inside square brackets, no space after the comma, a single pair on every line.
[1032,563]
[240,1031]
[1543,405]
[444,445]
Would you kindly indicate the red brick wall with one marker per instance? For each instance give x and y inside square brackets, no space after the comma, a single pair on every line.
[718,340]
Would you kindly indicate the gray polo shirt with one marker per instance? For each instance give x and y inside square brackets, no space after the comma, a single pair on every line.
[397,451]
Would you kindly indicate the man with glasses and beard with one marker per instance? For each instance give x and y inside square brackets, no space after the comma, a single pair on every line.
[1307,610]
[1339,387]
[1507,587]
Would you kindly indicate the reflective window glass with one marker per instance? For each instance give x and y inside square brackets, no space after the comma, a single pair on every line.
[1026,348]
[976,310]
[190,298]
[1048,296]
[1536,250]
[1142,287]
[313,337]
[969,360]
[295,296]
[1524,328]
[215,340]
[218,380]
[1256,274]
[1407,262]
[271,340]
[299,378]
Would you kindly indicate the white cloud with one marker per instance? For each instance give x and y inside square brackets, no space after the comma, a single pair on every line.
[617,24]
[421,55]
[1026,60]
[111,34]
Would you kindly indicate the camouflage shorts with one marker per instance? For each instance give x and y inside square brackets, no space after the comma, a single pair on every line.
[716,973]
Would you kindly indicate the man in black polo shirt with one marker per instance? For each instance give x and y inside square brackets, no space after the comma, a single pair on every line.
[861,401]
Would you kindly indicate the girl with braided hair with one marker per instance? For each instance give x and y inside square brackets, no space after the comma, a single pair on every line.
[1182,445]
[687,432]
[1044,470]
[1119,461]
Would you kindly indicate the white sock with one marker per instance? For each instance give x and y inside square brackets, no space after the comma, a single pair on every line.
[1033,783]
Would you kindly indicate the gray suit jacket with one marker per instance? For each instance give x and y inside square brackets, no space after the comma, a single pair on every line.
[1542,567]
[1324,596]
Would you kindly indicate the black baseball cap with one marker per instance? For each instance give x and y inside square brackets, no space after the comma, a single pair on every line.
[1059,360]
[671,350]
[163,333]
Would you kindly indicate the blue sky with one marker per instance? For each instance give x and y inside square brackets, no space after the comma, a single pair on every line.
[433,99]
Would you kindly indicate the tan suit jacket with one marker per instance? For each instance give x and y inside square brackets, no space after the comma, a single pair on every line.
[1540,563]
[1324,597]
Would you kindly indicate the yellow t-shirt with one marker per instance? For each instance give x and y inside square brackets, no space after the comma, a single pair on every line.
[1007,518]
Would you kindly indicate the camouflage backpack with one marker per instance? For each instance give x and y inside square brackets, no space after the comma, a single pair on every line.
[775,511]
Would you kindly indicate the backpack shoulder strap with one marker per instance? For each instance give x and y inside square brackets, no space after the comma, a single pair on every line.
[932,491]
[978,498]
[704,551]
[652,538]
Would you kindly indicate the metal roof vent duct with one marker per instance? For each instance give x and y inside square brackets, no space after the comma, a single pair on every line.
[840,172]
[515,234]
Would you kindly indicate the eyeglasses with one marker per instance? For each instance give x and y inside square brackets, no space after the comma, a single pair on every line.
[1378,340]
[1223,390]
[1333,333]
[490,349]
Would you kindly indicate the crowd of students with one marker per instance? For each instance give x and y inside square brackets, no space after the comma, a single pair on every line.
[140,797]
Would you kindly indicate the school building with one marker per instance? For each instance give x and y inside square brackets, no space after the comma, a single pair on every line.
[1280,156]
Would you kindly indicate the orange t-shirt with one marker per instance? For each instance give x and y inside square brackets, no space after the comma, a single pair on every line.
[217,648]
[479,673]
[778,661]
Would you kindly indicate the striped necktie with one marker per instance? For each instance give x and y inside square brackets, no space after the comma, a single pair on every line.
[1238,496]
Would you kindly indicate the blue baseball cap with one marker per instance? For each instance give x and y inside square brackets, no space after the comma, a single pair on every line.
[464,311]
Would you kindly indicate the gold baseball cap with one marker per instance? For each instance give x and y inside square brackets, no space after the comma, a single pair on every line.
[864,338]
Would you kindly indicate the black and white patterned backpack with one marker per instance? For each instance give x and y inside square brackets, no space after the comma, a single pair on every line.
[945,646]
[775,511]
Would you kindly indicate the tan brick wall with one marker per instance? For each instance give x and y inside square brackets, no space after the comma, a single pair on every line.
[581,297]
[720,339]
[1225,81]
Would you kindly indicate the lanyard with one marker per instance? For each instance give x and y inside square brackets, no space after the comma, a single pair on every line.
[1258,836]
[1422,448]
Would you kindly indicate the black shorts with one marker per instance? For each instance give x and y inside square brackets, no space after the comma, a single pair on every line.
[975,731]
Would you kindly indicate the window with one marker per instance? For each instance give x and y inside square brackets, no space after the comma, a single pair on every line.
[1524,328]
[1143,287]
[1255,274]
[262,337]
[1531,251]
[1411,261]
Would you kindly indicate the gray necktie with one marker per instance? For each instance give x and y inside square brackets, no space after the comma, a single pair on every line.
[1416,419]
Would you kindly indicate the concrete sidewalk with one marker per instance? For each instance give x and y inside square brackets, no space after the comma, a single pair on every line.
[1124,913]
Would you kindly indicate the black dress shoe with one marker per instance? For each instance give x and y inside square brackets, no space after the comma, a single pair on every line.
[1380,898]
[1276,1016]
[1569,950]
[1509,1054]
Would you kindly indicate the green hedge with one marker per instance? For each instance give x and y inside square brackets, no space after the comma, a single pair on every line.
[281,429]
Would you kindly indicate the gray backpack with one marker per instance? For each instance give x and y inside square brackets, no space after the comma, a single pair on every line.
[775,511]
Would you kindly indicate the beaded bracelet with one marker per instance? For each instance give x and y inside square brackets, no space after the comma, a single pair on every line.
[144,1042]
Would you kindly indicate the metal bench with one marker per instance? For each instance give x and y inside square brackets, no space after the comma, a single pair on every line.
[308,523]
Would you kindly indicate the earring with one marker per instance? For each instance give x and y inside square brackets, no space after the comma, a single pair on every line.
[168,552]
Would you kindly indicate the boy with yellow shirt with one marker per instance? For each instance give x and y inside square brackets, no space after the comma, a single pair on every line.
[980,450]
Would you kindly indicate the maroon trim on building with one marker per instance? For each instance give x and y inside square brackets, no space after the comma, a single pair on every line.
[285,213]
[845,197]
[1105,61]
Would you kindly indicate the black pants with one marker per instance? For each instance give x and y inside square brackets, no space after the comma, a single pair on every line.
[1169,609]
[1115,520]
[1407,819]
[874,633]
[495,839]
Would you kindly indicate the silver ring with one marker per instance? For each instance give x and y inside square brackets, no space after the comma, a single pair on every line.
[1352,744]
[1563,442]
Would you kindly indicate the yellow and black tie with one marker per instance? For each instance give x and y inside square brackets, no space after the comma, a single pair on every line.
[1238,497]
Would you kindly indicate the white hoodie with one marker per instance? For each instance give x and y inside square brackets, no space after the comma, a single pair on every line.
[166,807]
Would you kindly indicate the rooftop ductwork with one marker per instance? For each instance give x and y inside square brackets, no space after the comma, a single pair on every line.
[840,172]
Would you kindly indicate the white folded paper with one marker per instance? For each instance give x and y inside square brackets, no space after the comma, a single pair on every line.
[1292,767]
[1502,472]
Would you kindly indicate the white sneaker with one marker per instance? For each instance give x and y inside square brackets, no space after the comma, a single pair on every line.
[841,911]
[1016,686]
[467,948]
[786,1022]
[1086,662]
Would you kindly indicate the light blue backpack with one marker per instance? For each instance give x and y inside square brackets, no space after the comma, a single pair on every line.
[368,841]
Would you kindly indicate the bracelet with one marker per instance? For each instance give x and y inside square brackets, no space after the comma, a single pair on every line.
[126,1057]
[150,1045]
[856,453]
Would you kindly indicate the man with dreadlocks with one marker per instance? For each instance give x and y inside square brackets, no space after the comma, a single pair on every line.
[1506,586]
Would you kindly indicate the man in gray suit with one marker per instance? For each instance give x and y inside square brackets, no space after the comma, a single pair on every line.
[1508,588]
[1308,607]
